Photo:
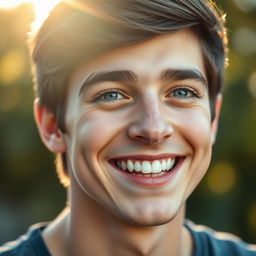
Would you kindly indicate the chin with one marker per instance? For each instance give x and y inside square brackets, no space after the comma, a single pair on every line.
[151,222]
[149,219]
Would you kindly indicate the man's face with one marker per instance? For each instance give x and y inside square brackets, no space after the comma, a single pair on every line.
[139,131]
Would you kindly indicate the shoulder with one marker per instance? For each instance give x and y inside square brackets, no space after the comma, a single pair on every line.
[30,243]
[209,242]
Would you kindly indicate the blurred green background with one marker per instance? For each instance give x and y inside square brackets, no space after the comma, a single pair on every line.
[29,189]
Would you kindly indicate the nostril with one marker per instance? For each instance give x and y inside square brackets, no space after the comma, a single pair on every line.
[166,137]
[151,140]
[143,139]
[150,133]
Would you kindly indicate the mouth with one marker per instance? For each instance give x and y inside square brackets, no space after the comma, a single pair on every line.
[148,168]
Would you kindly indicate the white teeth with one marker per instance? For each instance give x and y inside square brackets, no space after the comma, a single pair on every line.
[123,165]
[137,166]
[172,163]
[163,165]
[156,167]
[168,164]
[146,167]
[130,166]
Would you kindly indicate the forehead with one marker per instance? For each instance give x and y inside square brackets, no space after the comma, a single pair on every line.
[178,50]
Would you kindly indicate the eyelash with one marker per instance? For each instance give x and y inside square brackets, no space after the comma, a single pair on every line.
[188,90]
[100,95]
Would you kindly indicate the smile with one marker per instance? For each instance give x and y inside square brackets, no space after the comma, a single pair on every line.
[147,168]
[159,167]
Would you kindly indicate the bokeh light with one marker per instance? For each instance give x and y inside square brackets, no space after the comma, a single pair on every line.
[12,66]
[246,5]
[221,178]
[244,41]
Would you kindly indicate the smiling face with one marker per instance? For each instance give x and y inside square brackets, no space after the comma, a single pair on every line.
[139,130]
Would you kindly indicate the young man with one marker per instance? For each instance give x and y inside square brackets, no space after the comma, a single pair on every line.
[128,95]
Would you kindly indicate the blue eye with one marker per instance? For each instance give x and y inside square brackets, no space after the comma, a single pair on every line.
[184,93]
[111,95]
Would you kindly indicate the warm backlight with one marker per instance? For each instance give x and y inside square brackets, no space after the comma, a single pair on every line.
[41,7]
[11,3]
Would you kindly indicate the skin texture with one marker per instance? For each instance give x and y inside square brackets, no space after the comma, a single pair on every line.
[145,116]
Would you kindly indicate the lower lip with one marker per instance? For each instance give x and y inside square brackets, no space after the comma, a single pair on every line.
[151,181]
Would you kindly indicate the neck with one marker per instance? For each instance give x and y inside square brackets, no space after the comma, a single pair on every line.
[88,229]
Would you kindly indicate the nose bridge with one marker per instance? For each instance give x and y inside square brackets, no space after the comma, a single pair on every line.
[152,118]
[151,125]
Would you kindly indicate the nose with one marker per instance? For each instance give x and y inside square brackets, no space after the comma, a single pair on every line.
[150,126]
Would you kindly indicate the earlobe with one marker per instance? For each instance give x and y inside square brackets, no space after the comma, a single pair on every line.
[215,121]
[48,129]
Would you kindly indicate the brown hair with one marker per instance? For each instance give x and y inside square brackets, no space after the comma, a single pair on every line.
[80,30]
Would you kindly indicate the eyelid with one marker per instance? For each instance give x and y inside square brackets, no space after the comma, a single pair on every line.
[99,95]
[195,92]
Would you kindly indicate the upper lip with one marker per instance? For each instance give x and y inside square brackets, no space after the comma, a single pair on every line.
[147,157]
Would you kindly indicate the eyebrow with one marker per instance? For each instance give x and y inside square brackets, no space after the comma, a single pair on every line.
[183,74]
[130,77]
[112,76]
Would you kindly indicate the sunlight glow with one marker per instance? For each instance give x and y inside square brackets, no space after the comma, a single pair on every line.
[12,3]
[41,8]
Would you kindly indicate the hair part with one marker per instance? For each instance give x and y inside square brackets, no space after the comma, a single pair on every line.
[80,30]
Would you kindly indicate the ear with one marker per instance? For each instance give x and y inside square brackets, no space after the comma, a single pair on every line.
[215,121]
[49,132]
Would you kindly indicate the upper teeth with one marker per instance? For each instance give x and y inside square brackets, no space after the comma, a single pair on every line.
[146,166]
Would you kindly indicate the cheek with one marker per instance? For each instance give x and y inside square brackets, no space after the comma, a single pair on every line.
[196,126]
[91,134]
[198,134]
[96,130]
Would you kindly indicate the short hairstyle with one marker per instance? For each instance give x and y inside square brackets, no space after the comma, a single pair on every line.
[79,30]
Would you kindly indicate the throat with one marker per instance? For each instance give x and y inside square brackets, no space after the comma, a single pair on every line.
[117,237]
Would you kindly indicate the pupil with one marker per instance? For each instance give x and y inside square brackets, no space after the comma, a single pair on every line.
[181,93]
[110,96]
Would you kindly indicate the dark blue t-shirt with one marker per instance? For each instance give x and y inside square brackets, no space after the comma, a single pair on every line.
[206,242]
[30,244]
